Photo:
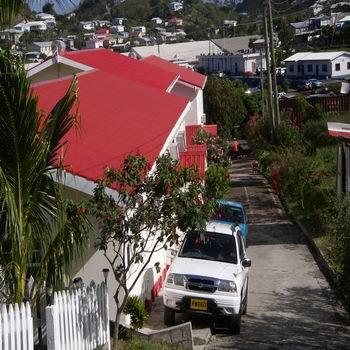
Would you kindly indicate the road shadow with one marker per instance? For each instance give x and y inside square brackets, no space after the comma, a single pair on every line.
[298,319]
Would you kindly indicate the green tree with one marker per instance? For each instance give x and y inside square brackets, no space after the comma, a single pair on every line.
[224,104]
[36,224]
[144,217]
[49,8]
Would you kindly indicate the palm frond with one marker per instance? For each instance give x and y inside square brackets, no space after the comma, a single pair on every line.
[34,226]
[9,9]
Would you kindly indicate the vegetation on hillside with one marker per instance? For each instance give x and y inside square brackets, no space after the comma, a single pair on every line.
[301,167]
[227,105]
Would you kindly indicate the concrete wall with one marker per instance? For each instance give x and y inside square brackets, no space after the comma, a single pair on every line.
[180,335]
[55,71]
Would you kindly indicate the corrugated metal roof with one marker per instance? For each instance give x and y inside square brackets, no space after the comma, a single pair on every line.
[315,56]
[124,67]
[237,43]
[187,51]
[186,75]
[118,116]
[345,19]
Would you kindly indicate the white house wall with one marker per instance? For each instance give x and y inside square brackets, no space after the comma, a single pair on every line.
[89,267]
[195,112]
[234,64]
[301,68]
[344,71]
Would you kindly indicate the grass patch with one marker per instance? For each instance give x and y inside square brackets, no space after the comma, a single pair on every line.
[140,343]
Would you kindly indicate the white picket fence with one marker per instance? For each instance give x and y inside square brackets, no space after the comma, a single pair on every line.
[16,327]
[78,319]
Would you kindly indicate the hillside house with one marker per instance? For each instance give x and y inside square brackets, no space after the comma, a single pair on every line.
[344,22]
[319,65]
[87,25]
[117,29]
[22,27]
[94,43]
[297,28]
[176,6]
[138,29]
[12,35]
[119,20]
[156,20]
[319,21]
[44,47]
[50,20]
[234,64]
[229,23]
[316,8]
[101,23]
[175,21]
[149,107]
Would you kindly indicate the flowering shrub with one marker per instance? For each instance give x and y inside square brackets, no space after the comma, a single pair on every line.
[216,147]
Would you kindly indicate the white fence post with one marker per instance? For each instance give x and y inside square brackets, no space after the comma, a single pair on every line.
[16,327]
[78,319]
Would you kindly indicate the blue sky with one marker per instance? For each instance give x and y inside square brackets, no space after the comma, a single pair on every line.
[64,7]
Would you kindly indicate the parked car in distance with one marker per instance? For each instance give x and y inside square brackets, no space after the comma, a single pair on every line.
[232,212]
[314,83]
[303,85]
[209,275]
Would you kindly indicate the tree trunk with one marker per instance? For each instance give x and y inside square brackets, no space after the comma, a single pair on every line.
[116,329]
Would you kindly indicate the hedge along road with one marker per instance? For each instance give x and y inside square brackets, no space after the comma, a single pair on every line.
[290,304]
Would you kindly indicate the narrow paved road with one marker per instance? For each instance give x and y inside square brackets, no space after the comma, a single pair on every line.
[290,304]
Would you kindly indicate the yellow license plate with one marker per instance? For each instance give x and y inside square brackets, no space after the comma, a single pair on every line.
[199,304]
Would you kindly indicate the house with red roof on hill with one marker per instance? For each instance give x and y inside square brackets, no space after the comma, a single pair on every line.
[126,106]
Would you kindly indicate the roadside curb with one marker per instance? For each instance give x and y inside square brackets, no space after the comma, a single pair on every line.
[321,261]
[314,249]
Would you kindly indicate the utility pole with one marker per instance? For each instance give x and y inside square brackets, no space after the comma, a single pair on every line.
[273,63]
[262,83]
[270,109]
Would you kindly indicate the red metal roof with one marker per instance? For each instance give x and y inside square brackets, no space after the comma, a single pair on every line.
[186,75]
[340,130]
[125,67]
[194,159]
[192,129]
[117,117]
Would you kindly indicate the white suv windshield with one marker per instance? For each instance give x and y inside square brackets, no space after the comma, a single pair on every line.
[209,246]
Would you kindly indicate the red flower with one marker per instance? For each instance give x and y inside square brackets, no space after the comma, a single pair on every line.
[82,210]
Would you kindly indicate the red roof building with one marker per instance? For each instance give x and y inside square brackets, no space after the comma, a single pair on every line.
[186,75]
[126,106]
[115,63]
[117,117]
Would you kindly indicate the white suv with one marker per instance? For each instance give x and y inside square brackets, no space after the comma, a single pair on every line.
[209,275]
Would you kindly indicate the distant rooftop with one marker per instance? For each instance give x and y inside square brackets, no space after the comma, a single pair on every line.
[311,56]
[236,43]
[187,51]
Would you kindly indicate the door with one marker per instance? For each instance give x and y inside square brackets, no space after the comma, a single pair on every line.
[317,70]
